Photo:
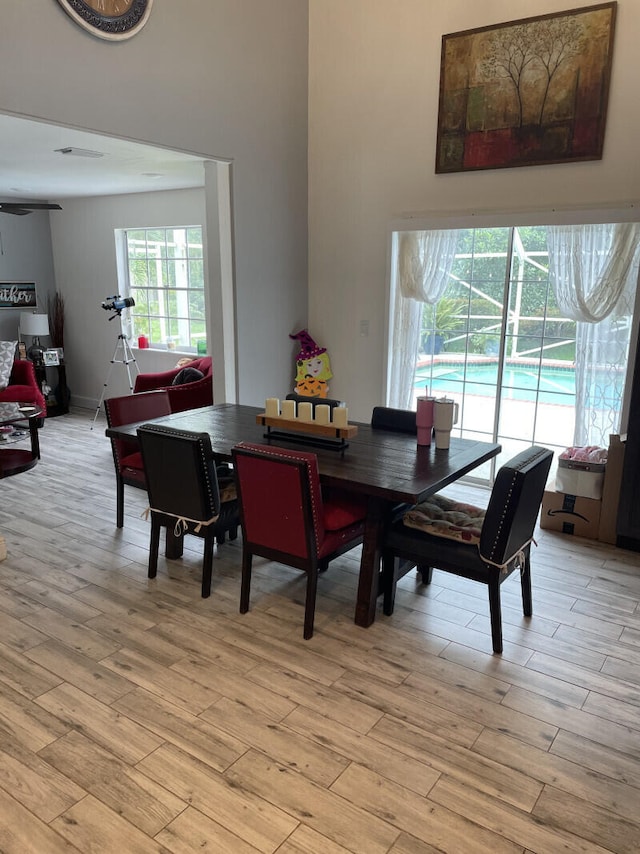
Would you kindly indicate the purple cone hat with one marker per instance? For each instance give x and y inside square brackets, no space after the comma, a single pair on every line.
[308,347]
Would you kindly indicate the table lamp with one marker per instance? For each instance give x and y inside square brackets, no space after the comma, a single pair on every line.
[35,325]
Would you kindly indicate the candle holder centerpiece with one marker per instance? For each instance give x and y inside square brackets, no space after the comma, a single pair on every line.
[313,421]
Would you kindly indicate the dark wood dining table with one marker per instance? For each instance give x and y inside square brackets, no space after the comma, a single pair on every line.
[387,467]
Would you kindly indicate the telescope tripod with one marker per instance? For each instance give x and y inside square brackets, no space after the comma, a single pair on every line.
[122,355]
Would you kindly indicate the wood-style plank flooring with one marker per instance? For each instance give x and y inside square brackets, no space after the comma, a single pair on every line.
[137,717]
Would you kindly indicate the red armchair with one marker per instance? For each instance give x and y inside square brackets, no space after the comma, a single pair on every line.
[187,396]
[23,386]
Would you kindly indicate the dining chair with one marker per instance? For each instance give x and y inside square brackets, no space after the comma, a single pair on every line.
[184,493]
[398,420]
[284,517]
[129,409]
[485,546]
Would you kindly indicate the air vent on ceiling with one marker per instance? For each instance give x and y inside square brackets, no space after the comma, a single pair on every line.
[79,152]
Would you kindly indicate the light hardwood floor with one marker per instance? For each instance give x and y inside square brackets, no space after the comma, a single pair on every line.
[137,717]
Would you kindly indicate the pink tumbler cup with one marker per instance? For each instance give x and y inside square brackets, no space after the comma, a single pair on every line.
[424,419]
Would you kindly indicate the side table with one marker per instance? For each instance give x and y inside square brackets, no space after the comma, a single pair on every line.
[58,400]
[14,460]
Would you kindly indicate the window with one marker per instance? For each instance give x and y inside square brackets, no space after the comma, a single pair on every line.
[496,343]
[477,315]
[165,276]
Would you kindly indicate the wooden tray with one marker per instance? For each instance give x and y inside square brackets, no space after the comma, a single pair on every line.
[295,425]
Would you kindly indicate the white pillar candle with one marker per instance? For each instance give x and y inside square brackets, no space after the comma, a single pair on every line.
[305,411]
[289,409]
[340,416]
[272,407]
[323,411]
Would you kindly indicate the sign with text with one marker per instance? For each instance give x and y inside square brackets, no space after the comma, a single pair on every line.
[17,294]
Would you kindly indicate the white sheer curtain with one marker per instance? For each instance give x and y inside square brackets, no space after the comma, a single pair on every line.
[425,261]
[594,271]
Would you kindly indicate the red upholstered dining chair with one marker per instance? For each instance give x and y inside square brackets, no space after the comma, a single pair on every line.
[485,546]
[285,519]
[127,459]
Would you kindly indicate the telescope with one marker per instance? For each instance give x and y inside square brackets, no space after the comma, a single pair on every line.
[117,303]
[122,353]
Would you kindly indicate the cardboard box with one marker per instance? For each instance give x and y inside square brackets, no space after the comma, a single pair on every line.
[579,478]
[611,489]
[570,514]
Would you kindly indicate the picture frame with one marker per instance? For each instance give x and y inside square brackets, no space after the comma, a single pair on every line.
[15,295]
[51,358]
[527,92]
[22,350]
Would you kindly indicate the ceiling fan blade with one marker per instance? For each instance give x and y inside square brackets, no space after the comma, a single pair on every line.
[14,209]
[39,207]
[23,208]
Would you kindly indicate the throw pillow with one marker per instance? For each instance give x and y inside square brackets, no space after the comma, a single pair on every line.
[187,375]
[7,355]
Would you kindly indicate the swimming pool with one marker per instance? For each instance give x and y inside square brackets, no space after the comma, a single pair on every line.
[557,385]
[520,382]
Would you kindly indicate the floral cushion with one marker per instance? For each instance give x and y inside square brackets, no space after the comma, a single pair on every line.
[442,517]
[7,354]
[228,492]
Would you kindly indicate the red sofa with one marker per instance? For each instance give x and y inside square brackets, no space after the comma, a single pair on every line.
[187,396]
[23,386]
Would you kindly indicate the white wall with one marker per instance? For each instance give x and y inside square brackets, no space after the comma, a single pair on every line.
[225,78]
[373,106]
[85,265]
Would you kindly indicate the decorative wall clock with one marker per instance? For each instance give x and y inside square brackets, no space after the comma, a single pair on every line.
[109,19]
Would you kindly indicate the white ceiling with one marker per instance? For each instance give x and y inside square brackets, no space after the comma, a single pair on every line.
[32,170]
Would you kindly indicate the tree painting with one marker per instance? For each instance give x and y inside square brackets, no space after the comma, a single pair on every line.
[527,92]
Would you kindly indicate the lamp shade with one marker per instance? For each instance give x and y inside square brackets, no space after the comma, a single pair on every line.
[34,324]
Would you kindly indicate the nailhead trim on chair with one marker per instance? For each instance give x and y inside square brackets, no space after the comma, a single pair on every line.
[520,466]
[502,520]
[169,431]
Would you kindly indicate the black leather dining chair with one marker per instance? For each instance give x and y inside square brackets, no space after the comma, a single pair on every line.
[503,544]
[398,420]
[184,493]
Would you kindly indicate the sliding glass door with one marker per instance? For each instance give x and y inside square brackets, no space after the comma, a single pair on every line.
[496,343]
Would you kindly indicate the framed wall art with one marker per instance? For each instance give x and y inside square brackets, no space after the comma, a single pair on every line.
[18,295]
[526,92]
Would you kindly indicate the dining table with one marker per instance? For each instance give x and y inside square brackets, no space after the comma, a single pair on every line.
[387,467]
